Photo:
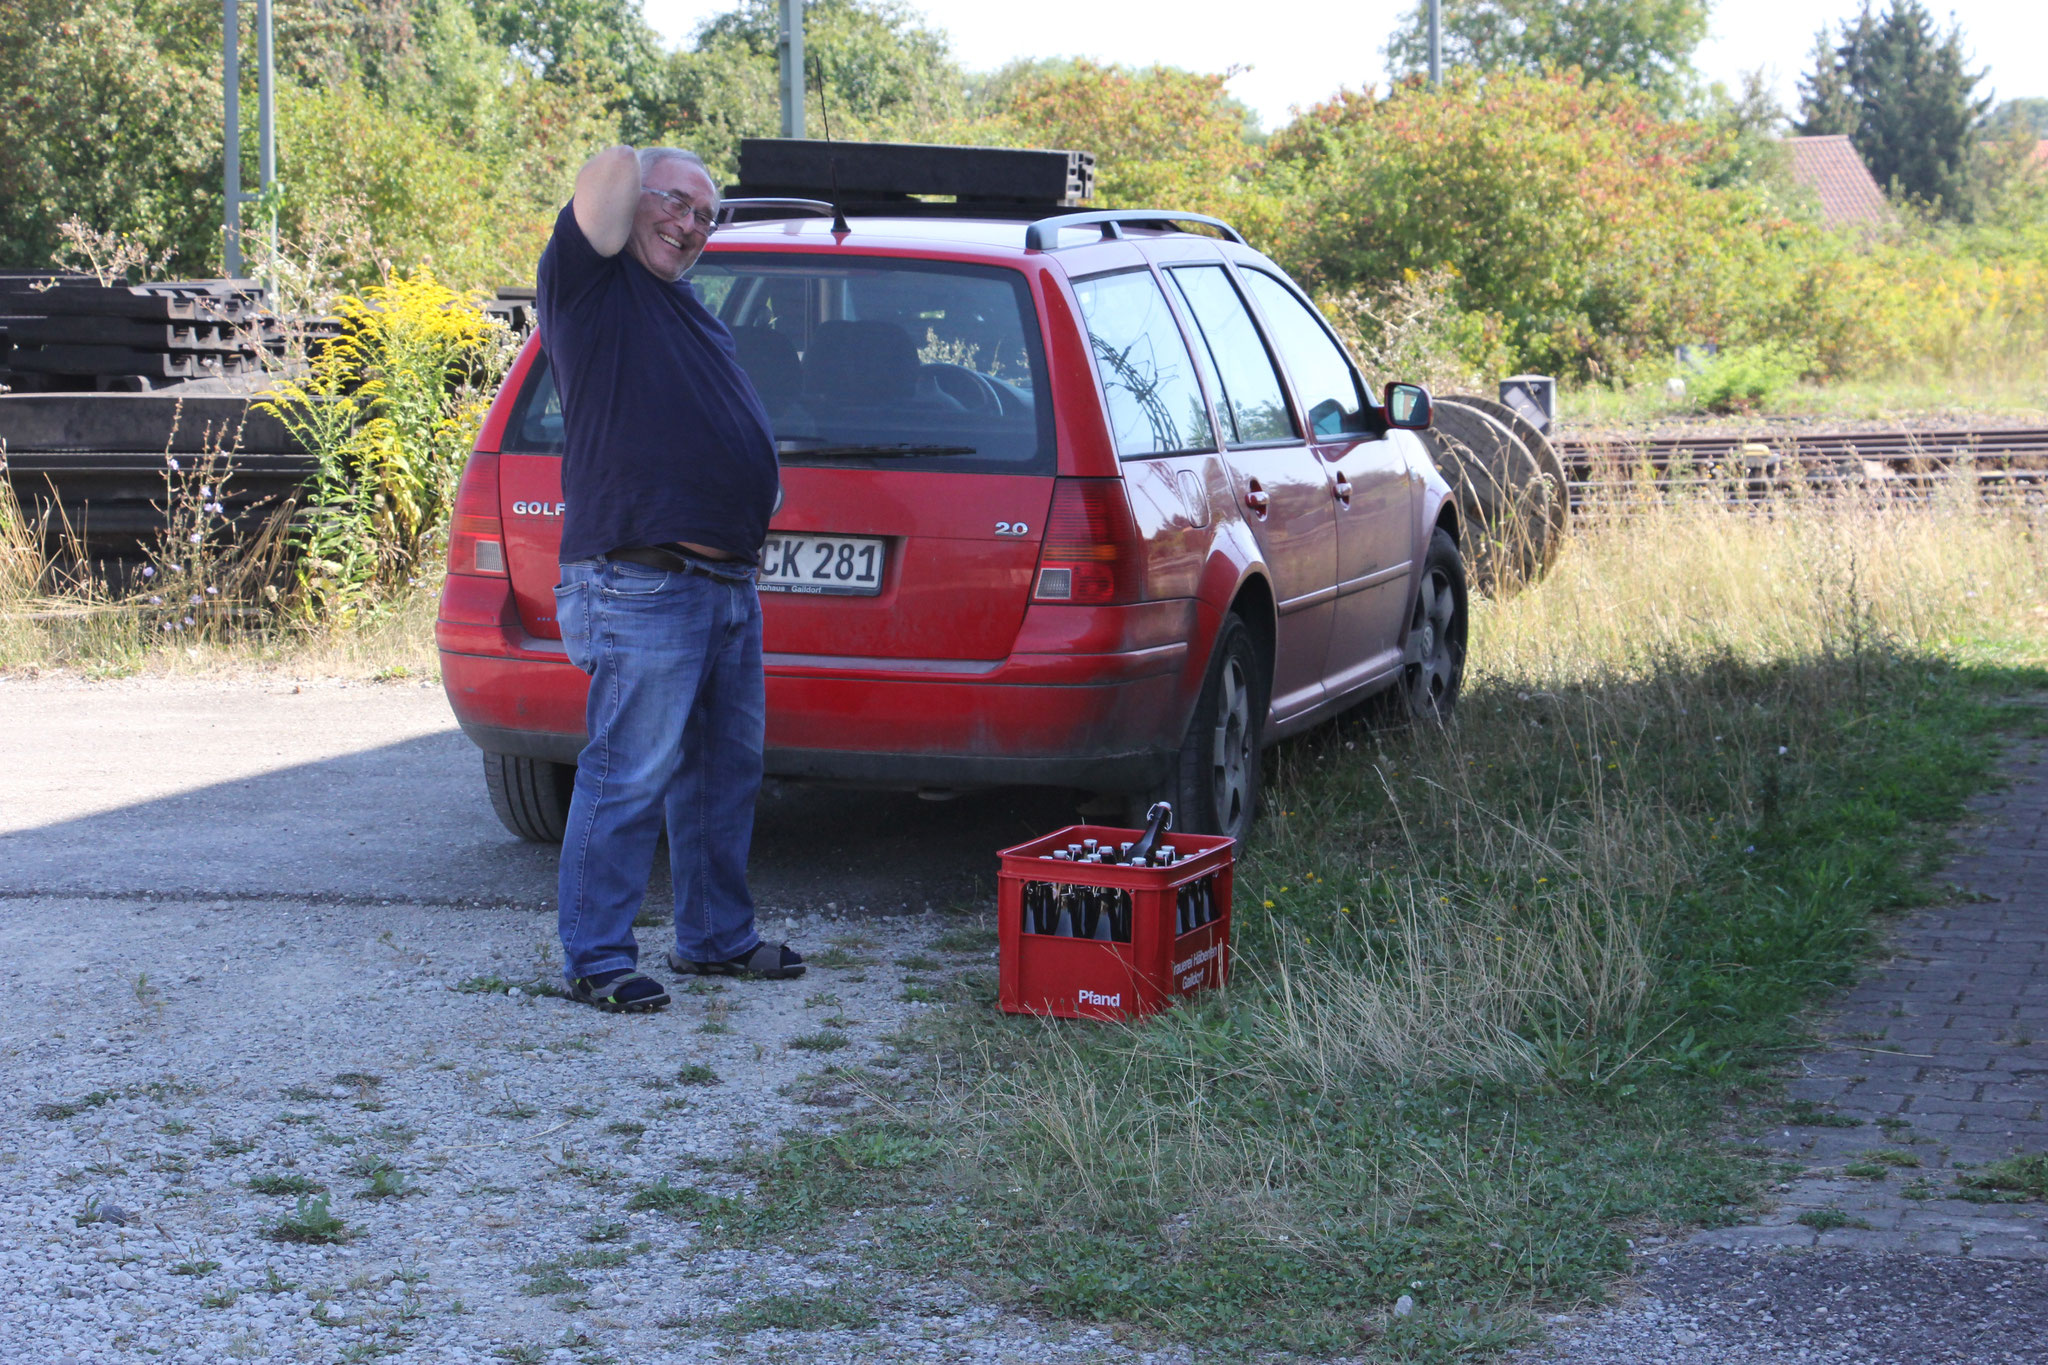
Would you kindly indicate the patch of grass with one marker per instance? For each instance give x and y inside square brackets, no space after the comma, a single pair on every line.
[551,1279]
[665,1197]
[838,958]
[225,1147]
[195,1268]
[66,1109]
[273,1183]
[704,985]
[1866,1170]
[625,1128]
[312,1222]
[1496,986]
[917,993]
[606,1230]
[514,1110]
[715,1024]
[1824,1220]
[220,1298]
[696,1073]
[389,1185]
[2016,1179]
[1886,1156]
[306,1094]
[174,1127]
[822,1041]
[919,962]
[966,938]
[370,1165]
[821,1000]
[1807,1115]
[792,1313]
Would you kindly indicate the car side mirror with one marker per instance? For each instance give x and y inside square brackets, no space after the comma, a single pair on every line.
[1409,407]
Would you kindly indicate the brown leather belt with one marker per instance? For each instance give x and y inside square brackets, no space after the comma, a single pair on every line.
[676,561]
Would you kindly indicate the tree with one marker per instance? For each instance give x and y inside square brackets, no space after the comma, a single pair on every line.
[874,70]
[1644,43]
[2021,117]
[1906,99]
[1566,216]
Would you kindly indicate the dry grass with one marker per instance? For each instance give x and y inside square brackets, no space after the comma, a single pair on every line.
[1481,971]
[57,614]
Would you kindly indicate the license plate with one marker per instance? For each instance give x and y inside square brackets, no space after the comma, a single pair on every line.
[841,566]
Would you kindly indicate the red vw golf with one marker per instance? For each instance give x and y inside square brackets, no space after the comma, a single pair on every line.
[1081,499]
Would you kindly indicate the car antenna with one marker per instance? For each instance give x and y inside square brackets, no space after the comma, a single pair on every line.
[839,223]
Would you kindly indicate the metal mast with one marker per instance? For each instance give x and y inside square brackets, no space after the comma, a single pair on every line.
[789,48]
[231,140]
[1436,42]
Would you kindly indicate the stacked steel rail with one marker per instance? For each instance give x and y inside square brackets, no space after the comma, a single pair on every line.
[1909,465]
[68,332]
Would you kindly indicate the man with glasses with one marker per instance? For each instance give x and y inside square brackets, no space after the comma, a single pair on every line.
[669,477]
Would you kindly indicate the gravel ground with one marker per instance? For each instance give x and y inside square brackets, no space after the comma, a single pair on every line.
[165,1054]
[1703,1306]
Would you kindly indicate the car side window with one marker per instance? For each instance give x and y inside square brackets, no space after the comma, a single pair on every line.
[1155,407]
[1323,378]
[1252,402]
[536,425]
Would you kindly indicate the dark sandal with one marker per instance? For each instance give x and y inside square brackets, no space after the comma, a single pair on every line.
[767,962]
[627,993]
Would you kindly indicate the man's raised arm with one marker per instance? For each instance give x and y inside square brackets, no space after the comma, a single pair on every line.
[607,194]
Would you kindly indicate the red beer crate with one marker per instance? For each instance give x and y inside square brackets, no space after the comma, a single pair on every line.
[1084,978]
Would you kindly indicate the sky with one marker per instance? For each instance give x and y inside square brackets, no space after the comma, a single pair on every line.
[1301,51]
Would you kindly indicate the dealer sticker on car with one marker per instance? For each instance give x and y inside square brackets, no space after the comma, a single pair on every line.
[838,565]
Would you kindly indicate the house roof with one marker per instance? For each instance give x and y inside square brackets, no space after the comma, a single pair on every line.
[1831,168]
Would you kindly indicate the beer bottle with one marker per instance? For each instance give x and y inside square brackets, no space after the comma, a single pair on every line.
[1158,820]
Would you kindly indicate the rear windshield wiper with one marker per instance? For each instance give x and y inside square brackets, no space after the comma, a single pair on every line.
[900,450]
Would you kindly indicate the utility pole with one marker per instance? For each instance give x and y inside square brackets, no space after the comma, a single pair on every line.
[789,47]
[1436,42]
[231,130]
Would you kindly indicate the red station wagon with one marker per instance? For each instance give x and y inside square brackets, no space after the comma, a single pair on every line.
[1080,499]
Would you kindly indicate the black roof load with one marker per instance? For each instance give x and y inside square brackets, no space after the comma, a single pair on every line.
[884,177]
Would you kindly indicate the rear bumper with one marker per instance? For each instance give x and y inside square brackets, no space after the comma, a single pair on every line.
[1109,721]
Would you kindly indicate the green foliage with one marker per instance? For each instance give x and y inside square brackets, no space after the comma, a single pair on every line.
[2020,117]
[1905,98]
[1748,378]
[112,119]
[390,409]
[1644,43]
[1162,137]
[309,1222]
[1566,214]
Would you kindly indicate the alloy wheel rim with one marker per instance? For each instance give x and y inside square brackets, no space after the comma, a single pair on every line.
[1434,675]
[1230,759]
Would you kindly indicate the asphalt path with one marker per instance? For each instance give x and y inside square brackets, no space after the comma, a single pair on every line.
[264,787]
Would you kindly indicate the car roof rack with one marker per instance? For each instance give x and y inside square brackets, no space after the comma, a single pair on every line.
[730,209]
[1044,235]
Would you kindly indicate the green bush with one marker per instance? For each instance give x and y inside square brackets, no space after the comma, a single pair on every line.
[1748,378]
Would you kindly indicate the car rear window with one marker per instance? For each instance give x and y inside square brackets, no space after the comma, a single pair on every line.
[867,360]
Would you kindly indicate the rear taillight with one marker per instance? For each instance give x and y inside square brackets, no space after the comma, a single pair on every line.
[1090,553]
[476,536]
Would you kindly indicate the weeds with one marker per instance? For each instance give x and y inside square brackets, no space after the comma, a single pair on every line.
[823,1040]
[309,1222]
[284,1184]
[696,1073]
[2014,1180]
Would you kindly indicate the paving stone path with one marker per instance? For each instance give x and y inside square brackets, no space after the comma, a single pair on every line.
[1939,1060]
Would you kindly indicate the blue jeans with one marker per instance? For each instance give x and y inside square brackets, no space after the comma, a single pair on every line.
[676,719]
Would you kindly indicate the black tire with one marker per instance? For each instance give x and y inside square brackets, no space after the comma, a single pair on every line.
[530,795]
[1433,646]
[1215,783]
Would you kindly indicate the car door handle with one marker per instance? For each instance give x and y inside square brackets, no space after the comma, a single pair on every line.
[1257,498]
[1343,489]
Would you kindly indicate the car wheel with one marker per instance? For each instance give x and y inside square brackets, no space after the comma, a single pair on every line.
[1216,786]
[1433,651]
[530,795]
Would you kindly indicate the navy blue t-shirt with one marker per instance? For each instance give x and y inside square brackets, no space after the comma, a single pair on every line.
[663,436]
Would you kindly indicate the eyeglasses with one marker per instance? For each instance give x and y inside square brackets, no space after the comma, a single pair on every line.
[678,204]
